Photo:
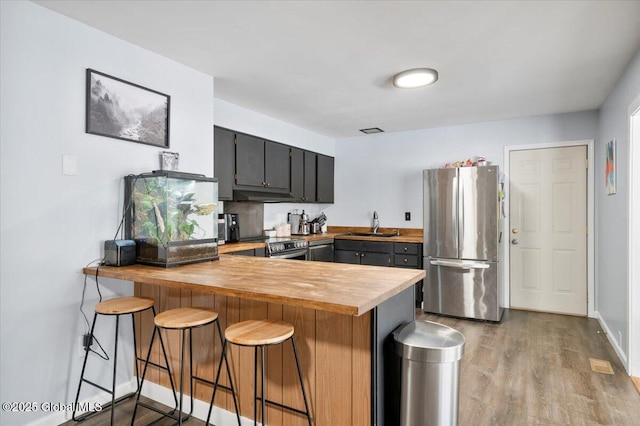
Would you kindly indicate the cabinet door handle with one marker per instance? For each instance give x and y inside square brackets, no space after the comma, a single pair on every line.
[406,260]
[264,183]
[362,255]
[357,254]
[406,248]
[268,184]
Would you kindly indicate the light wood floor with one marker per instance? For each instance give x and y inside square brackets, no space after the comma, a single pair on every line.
[533,368]
[530,369]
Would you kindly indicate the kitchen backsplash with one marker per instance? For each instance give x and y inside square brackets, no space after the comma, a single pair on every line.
[255,217]
[276,213]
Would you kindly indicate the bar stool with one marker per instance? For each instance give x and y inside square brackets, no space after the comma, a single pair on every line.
[259,334]
[116,307]
[186,319]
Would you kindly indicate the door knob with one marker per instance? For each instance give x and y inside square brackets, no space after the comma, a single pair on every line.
[515,241]
[515,230]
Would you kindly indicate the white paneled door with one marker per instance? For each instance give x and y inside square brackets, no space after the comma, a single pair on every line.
[548,230]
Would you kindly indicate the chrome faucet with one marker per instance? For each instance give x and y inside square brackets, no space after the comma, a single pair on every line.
[376,222]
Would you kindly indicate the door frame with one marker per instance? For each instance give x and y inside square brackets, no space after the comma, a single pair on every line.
[634,240]
[506,302]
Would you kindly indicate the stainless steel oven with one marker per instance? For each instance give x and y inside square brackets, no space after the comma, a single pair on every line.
[288,248]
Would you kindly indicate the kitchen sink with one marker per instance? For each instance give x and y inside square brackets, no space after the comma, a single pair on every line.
[372,234]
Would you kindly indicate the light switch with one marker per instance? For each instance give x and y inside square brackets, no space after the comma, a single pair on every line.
[69,165]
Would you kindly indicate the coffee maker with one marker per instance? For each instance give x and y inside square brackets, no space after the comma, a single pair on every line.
[299,223]
[231,227]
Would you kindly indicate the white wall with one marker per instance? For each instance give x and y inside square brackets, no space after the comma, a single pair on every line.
[243,120]
[383,172]
[52,225]
[612,256]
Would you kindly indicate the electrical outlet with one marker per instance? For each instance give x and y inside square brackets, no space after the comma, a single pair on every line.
[407,215]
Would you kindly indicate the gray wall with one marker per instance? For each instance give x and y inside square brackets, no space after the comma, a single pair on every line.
[383,172]
[612,255]
[52,225]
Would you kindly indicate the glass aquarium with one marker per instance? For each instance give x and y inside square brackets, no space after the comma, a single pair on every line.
[172,217]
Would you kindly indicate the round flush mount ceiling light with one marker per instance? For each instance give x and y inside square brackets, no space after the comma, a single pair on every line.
[414,78]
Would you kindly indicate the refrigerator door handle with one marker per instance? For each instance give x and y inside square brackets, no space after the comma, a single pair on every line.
[460,264]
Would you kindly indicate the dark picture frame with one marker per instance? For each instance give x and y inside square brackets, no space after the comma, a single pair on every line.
[123,110]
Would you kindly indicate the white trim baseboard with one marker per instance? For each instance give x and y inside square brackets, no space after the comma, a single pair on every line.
[616,347]
[58,417]
[219,416]
[153,391]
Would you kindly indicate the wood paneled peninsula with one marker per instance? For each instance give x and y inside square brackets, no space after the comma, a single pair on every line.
[343,315]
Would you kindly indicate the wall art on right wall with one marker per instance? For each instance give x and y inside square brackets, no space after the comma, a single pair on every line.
[610,168]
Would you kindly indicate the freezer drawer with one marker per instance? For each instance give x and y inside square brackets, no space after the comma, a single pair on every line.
[460,288]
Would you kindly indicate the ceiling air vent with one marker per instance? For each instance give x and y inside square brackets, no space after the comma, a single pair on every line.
[372,130]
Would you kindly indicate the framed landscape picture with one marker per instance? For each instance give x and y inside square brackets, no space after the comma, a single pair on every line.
[123,110]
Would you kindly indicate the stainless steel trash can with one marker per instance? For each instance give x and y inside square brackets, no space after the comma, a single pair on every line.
[429,387]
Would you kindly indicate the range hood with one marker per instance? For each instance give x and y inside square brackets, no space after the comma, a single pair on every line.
[264,196]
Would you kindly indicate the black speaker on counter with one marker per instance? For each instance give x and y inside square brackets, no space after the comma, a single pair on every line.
[119,252]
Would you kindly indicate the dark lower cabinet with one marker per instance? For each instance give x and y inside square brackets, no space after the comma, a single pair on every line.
[321,252]
[409,255]
[259,252]
[362,252]
[377,253]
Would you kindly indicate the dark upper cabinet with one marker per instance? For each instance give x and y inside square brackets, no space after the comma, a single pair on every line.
[261,164]
[276,165]
[297,174]
[309,176]
[249,163]
[224,161]
[324,176]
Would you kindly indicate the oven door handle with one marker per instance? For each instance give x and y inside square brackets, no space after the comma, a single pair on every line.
[290,254]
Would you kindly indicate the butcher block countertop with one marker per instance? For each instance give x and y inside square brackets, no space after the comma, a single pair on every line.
[332,287]
[240,246]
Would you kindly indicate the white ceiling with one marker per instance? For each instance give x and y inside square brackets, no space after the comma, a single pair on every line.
[326,65]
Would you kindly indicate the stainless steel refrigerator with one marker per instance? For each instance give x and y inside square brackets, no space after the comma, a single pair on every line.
[462,240]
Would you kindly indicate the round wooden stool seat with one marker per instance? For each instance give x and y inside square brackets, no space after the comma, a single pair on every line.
[185,317]
[259,332]
[124,305]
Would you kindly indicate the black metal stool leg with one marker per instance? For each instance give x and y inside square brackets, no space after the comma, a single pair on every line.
[166,362]
[135,350]
[262,396]
[144,373]
[223,356]
[115,365]
[84,366]
[304,394]
[255,386]
[191,370]
[181,379]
